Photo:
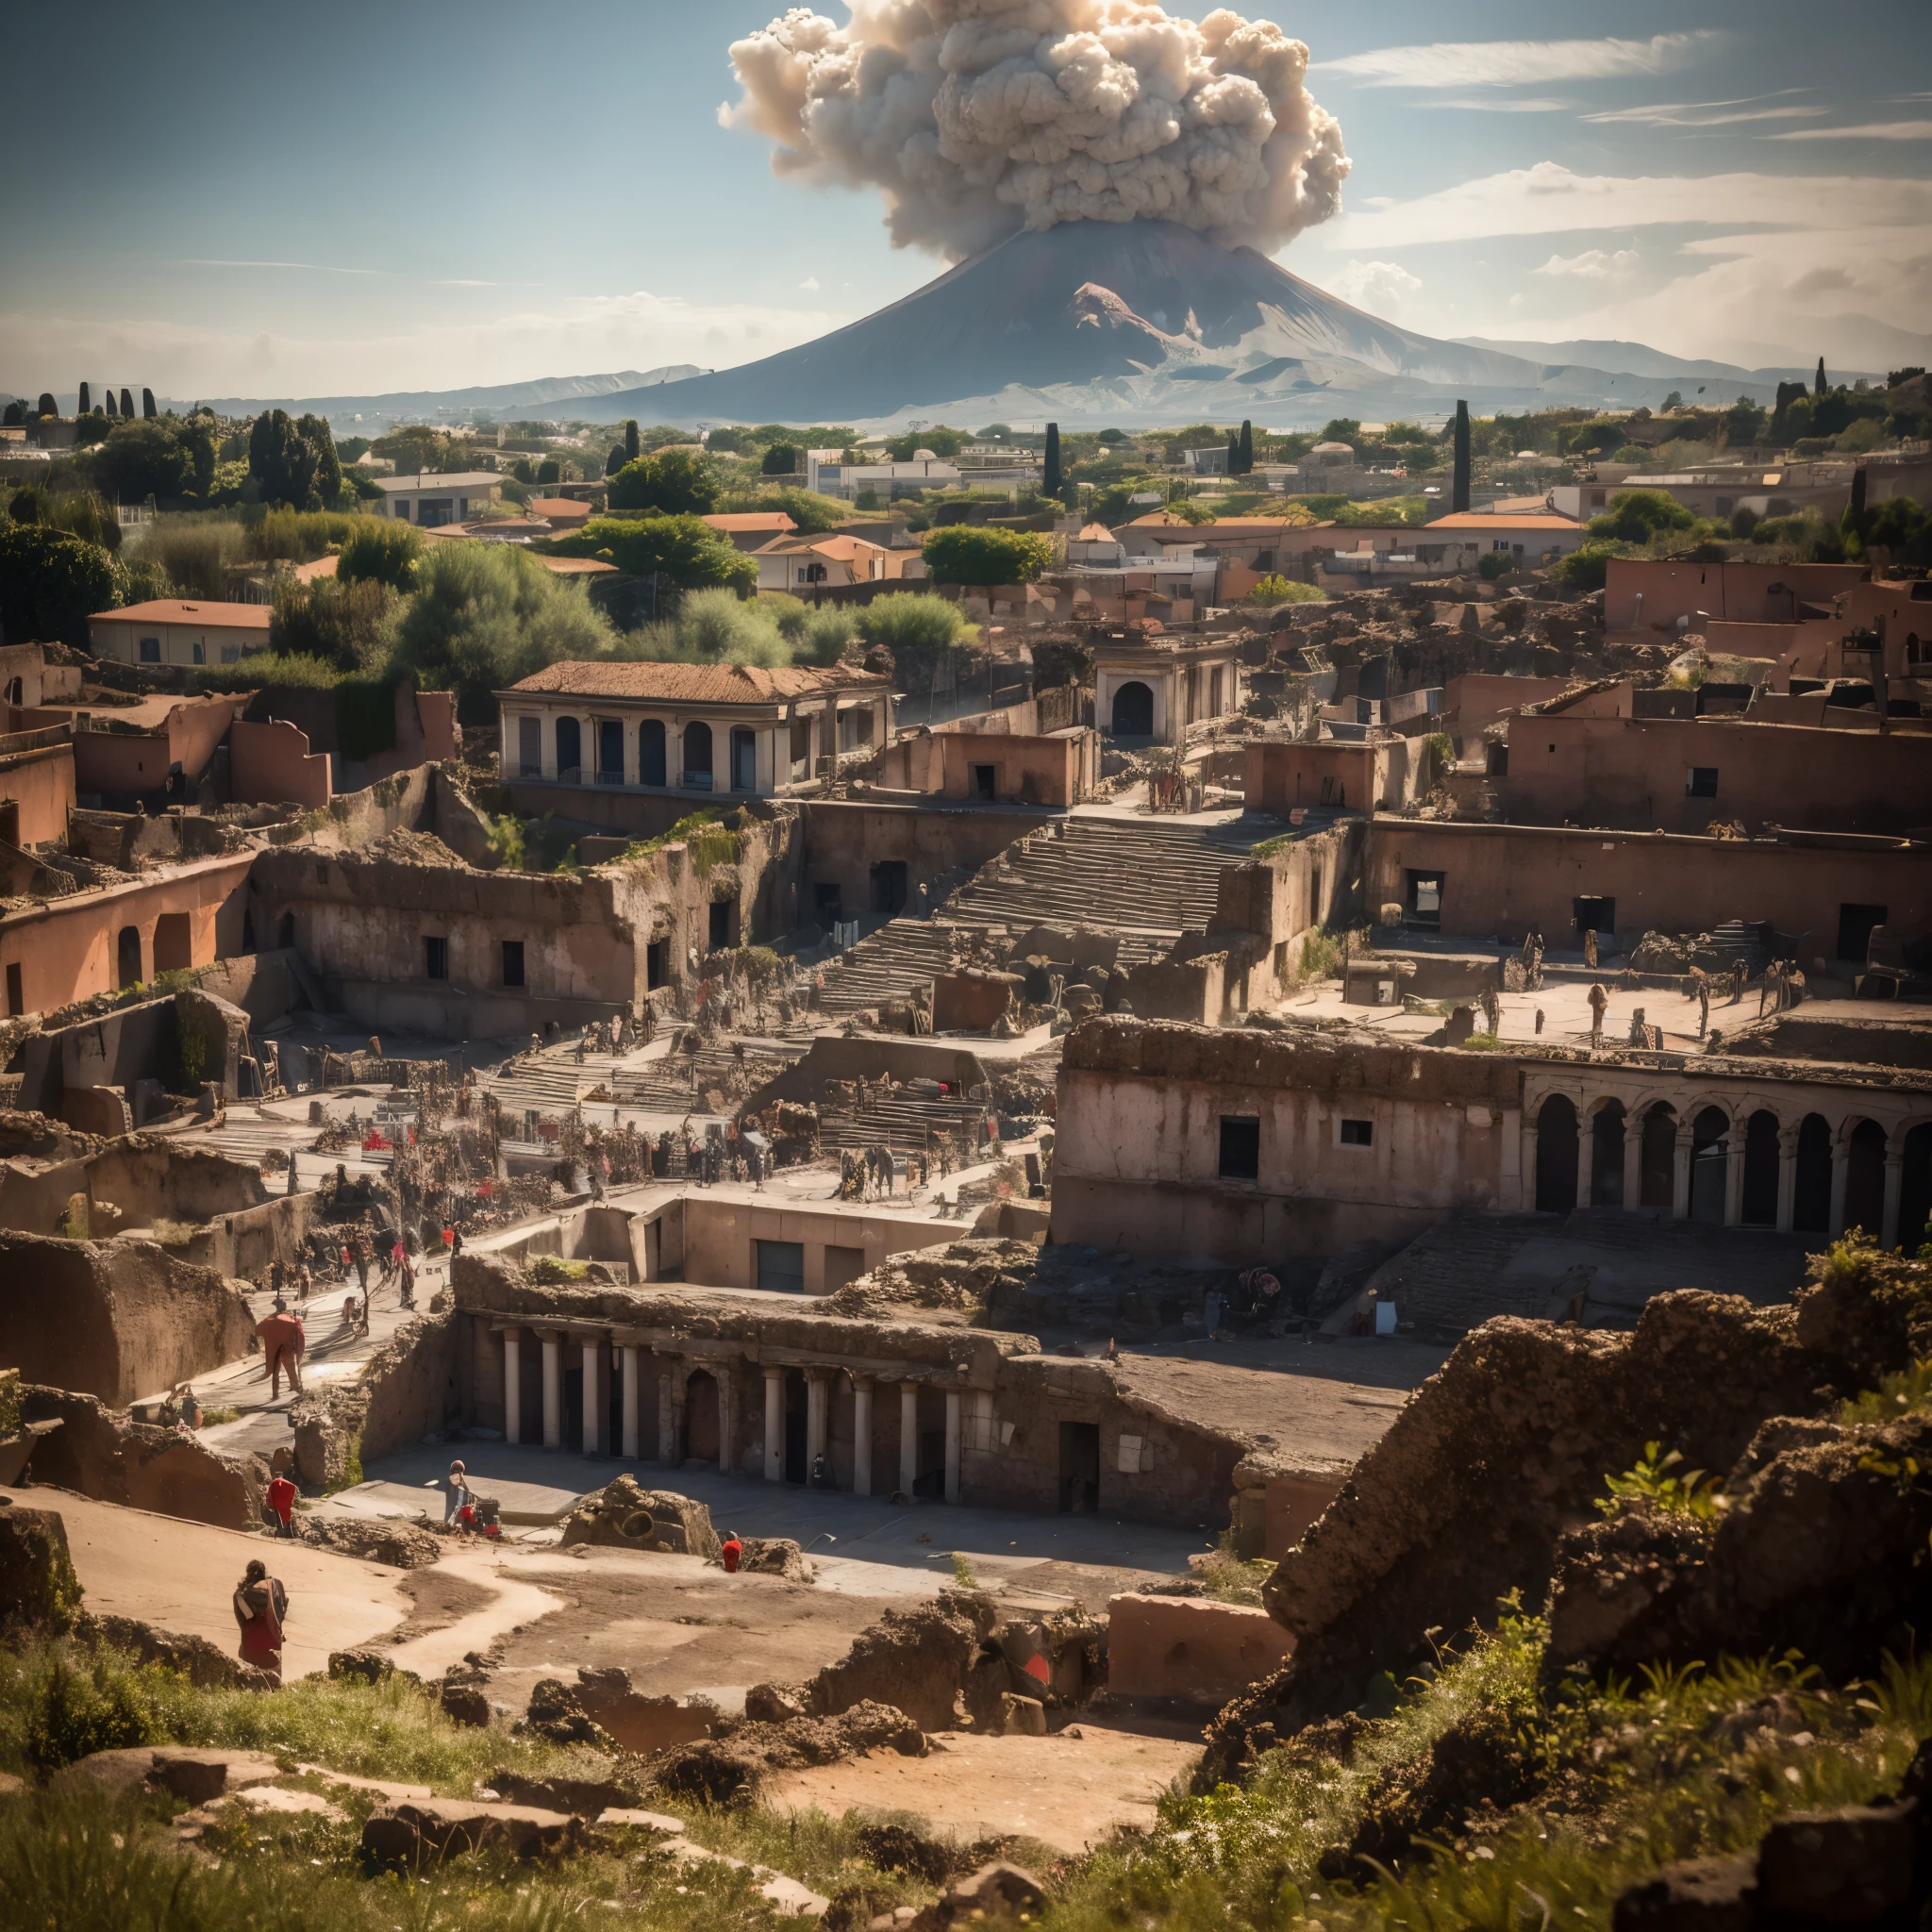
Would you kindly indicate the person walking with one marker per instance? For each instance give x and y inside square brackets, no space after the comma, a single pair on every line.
[261,1608]
[731,1552]
[278,1504]
[1599,999]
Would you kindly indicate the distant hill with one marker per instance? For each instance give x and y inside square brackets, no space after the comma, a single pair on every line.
[1136,321]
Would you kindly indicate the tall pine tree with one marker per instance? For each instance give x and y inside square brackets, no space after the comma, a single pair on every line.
[1818,386]
[1051,482]
[630,440]
[1247,448]
[1234,453]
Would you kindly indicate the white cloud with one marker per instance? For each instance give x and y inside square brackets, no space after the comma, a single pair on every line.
[314,268]
[582,335]
[1876,131]
[810,282]
[1382,288]
[1494,103]
[1517,63]
[1549,199]
[1593,264]
[1702,114]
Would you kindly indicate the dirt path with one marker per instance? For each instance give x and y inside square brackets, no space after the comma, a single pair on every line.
[178,1576]
[1066,1790]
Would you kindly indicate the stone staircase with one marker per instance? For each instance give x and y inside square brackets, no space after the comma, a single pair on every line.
[901,1121]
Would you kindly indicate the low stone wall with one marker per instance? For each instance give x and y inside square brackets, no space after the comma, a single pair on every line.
[1190,1648]
[407,1388]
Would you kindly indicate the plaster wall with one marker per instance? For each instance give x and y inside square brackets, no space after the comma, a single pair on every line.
[721,1236]
[40,782]
[843,841]
[1735,593]
[1376,776]
[271,765]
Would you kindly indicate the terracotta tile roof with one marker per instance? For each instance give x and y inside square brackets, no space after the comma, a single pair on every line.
[1478,519]
[728,520]
[843,549]
[559,509]
[696,684]
[173,611]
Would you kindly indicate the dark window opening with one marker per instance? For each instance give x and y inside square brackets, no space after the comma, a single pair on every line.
[529,748]
[16,993]
[1080,1468]
[512,962]
[724,923]
[1709,1165]
[150,650]
[1865,1178]
[1496,760]
[436,957]
[285,934]
[1595,915]
[1607,1131]
[1240,1148]
[781,1266]
[1133,710]
[889,888]
[127,957]
[609,752]
[1759,1208]
[1357,1133]
[1811,1199]
[744,760]
[1700,781]
[986,782]
[828,904]
[698,757]
[651,751]
[1426,899]
[570,750]
[1855,926]
[1555,1156]
[657,964]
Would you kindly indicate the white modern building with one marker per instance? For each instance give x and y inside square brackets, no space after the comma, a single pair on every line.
[429,500]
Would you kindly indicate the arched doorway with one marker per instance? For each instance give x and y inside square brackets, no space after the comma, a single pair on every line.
[1865,1177]
[1661,1157]
[1133,710]
[1709,1156]
[651,751]
[1915,1189]
[285,933]
[701,1416]
[1811,1203]
[1760,1169]
[570,750]
[1607,1155]
[698,756]
[127,958]
[1555,1156]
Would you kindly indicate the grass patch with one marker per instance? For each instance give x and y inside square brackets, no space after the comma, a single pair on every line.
[1320,956]
[700,832]
[553,1271]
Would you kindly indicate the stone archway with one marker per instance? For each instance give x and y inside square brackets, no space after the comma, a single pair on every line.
[1133,710]
[1555,1156]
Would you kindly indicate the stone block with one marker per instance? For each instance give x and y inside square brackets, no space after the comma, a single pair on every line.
[1847,1866]
[642,1724]
[425,1832]
[1022,1717]
[39,1589]
[1190,1647]
[1698,1895]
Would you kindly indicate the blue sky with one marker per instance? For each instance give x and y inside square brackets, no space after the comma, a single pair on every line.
[228,199]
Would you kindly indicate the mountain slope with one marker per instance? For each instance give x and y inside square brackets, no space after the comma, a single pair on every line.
[500,399]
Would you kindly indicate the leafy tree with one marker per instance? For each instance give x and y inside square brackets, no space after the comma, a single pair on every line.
[1112,435]
[1588,566]
[1234,453]
[911,621]
[487,614]
[15,414]
[280,462]
[1674,400]
[1050,480]
[1346,429]
[327,488]
[810,511]
[675,483]
[966,553]
[45,406]
[944,443]
[147,405]
[142,460]
[414,448]
[1247,451]
[1897,524]
[381,550]
[630,440]
[614,459]
[350,625]
[781,460]
[91,428]
[51,582]
[127,402]
[1635,516]
[549,471]
[85,405]
[685,549]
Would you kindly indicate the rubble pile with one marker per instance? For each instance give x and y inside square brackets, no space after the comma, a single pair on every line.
[962,1275]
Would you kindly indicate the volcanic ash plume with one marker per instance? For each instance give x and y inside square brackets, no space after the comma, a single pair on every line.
[981,117]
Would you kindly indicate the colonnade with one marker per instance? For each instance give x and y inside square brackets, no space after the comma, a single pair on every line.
[674,1374]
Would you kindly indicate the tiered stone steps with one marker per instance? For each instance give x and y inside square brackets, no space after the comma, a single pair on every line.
[901,1119]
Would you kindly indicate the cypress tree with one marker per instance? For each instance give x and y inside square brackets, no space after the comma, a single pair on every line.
[86,403]
[147,405]
[1052,482]
[1234,453]
[1459,490]
[1818,386]
[107,402]
[45,406]
[128,404]
[630,440]
[1247,448]
[614,461]
[16,414]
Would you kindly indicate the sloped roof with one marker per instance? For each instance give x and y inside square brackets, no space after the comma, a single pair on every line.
[1528,519]
[843,549]
[696,684]
[750,519]
[175,611]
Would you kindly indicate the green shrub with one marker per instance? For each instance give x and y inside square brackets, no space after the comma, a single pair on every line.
[86,1706]
[267,671]
[1274,590]
[913,620]
[1635,516]
[1587,568]
[675,483]
[382,550]
[507,841]
[51,582]
[1660,1479]
[981,555]
[684,549]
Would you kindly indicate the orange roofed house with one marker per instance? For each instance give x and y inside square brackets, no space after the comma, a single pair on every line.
[171,631]
[699,730]
[798,563]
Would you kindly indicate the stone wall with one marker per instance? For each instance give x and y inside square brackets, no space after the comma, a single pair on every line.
[410,1388]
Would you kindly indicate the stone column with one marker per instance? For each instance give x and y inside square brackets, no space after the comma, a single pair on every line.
[727,1416]
[1734,1174]
[775,1426]
[1840,1173]
[597,1422]
[1895,1190]
[1680,1173]
[862,1435]
[553,1392]
[1586,1157]
[633,1390]
[1787,1178]
[818,1402]
[952,1432]
[908,1436]
[1633,1163]
[512,1385]
[1526,1181]
[669,1410]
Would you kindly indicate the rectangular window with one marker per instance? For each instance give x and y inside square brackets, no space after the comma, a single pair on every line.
[1426,899]
[780,1266]
[1357,1133]
[1595,915]
[16,996]
[1700,781]
[512,962]
[150,650]
[231,654]
[529,747]
[436,957]
[657,964]
[1240,1148]
[723,922]
[198,651]
[986,782]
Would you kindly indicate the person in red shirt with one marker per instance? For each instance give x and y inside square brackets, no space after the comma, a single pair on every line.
[281,1504]
[730,1551]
